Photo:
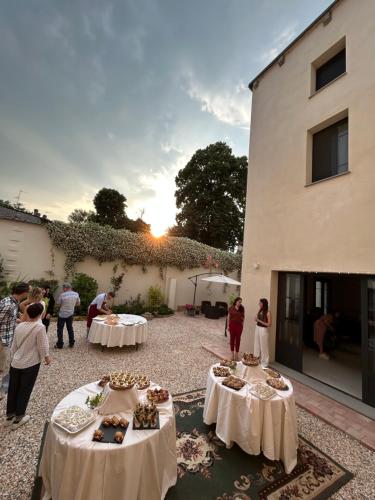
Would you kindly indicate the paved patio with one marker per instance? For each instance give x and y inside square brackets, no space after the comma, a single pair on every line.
[173,357]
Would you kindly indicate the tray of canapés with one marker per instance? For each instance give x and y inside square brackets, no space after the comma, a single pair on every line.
[111,430]
[123,380]
[229,363]
[234,383]
[146,417]
[158,396]
[249,359]
[277,383]
[221,371]
[74,419]
[271,373]
[262,391]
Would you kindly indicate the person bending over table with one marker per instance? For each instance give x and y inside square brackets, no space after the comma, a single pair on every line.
[99,306]
[263,321]
[236,317]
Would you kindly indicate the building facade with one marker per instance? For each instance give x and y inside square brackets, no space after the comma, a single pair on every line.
[309,244]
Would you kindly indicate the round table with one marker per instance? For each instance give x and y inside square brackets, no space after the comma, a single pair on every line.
[73,467]
[131,330]
[255,425]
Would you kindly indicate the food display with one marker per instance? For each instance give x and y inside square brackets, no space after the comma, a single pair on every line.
[272,373]
[145,416]
[111,430]
[158,395]
[228,363]
[262,391]
[249,359]
[277,383]
[112,319]
[98,435]
[74,419]
[119,437]
[104,380]
[234,383]
[122,380]
[142,382]
[221,371]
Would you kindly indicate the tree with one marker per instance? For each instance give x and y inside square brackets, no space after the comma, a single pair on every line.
[210,196]
[110,208]
[137,226]
[80,216]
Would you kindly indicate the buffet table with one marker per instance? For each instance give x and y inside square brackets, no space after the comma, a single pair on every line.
[130,330]
[254,424]
[74,467]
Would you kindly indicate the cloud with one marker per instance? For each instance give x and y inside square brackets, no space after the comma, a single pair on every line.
[281,41]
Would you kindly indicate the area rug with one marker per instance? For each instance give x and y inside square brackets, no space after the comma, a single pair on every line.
[207,470]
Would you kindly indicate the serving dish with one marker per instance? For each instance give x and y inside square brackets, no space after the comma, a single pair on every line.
[74,419]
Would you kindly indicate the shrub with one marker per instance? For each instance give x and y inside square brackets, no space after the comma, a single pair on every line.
[155,297]
[165,310]
[131,306]
[87,288]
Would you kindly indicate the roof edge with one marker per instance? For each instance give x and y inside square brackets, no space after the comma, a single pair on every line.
[293,42]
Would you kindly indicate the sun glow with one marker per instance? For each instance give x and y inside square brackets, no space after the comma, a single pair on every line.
[157,230]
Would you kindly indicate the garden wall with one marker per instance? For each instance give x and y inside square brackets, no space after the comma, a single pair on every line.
[28,253]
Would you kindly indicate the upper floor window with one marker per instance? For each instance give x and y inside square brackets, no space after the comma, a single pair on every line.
[330,70]
[330,151]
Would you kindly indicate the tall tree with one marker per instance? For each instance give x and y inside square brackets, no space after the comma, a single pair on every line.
[110,206]
[210,196]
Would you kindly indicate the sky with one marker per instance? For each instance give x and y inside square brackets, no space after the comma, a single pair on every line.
[120,94]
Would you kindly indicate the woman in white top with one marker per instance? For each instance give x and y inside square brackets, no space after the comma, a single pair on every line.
[263,322]
[35,296]
[30,346]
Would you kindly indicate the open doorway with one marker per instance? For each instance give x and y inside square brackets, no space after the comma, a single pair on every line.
[333,300]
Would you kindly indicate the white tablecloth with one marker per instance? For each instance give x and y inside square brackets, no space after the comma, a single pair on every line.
[143,467]
[121,334]
[255,425]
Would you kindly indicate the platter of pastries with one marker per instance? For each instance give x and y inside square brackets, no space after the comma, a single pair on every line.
[262,391]
[111,430]
[277,383]
[271,373]
[120,381]
[142,382]
[146,416]
[158,395]
[221,371]
[234,383]
[228,363]
[74,419]
[249,359]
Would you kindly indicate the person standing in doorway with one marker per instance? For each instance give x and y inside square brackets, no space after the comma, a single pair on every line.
[263,322]
[321,327]
[99,306]
[67,301]
[9,307]
[236,318]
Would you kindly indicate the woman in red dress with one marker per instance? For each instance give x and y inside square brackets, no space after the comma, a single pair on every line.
[236,317]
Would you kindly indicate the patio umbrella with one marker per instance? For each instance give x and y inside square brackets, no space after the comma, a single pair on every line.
[222,279]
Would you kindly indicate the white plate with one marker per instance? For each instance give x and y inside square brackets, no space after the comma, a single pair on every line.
[89,422]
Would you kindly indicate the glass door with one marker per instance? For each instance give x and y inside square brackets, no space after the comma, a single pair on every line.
[290,320]
[368,340]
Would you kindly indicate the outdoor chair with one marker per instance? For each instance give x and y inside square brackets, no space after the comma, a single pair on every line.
[223,308]
[212,312]
[204,305]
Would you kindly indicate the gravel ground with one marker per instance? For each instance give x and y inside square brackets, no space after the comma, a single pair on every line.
[172,357]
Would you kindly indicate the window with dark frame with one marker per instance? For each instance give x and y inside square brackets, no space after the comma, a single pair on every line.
[330,70]
[330,151]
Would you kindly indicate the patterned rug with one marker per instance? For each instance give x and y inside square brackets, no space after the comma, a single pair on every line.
[208,470]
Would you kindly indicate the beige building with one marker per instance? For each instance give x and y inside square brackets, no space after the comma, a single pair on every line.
[309,243]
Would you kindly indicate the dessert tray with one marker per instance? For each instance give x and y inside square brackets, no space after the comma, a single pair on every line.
[111,430]
[234,383]
[158,395]
[221,371]
[277,383]
[262,391]
[142,382]
[249,359]
[74,419]
[146,417]
[119,381]
[228,363]
[271,373]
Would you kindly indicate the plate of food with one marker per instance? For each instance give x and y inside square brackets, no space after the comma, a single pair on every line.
[158,396]
[234,383]
[228,363]
[277,383]
[120,381]
[221,371]
[249,359]
[111,430]
[101,317]
[146,417]
[272,373]
[262,391]
[142,382]
[74,419]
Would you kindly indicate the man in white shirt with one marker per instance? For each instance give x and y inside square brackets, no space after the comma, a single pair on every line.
[99,306]
[67,301]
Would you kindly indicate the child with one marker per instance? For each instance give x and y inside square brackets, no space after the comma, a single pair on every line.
[29,347]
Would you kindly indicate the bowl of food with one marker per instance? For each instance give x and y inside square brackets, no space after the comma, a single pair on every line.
[249,359]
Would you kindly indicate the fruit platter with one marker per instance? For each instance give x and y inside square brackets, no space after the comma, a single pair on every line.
[146,417]
[74,419]
[157,395]
[271,373]
[277,383]
[228,363]
[119,381]
[111,430]
[249,359]
[234,383]
[262,391]
[221,371]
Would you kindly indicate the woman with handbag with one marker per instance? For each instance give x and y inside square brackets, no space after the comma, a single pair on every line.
[30,346]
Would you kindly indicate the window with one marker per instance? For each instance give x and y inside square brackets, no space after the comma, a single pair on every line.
[330,70]
[330,151]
